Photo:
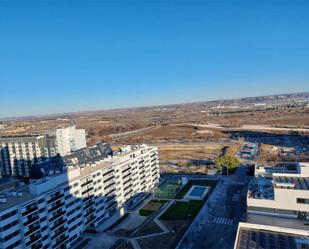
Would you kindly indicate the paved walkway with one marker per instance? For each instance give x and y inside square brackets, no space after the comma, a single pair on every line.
[202,218]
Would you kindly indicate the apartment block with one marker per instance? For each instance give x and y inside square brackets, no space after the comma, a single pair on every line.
[70,139]
[18,153]
[52,212]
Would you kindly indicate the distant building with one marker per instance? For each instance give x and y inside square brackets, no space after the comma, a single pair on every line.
[18,153]
[54,211]
[70,139]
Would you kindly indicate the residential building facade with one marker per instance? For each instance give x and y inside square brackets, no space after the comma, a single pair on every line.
[18,153]
[53,212]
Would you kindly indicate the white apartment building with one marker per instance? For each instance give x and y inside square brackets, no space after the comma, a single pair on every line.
[52,212]
[70,139]
[17,153]
[282,195]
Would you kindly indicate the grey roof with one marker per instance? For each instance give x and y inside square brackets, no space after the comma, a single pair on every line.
[266,239]
[301,183]
[88,155]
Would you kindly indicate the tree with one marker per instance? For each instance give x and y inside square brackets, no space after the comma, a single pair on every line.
[227,162]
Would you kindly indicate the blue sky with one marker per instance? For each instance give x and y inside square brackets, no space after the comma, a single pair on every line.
[59,56]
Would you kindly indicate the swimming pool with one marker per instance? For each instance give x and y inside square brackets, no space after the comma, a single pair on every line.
[197,192]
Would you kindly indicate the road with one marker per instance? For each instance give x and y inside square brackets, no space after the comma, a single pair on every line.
[226,209]
[248,128]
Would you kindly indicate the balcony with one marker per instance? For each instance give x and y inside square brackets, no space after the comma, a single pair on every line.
[108,179]
[57,197]
[108,172]
[32,230]
[55,207]
[110,185]
[58,224]
[89,204]
[59,232]
[86,183]
[90,211]
[31,220]
[87,198]
[33,238]
[87,190]
[56,216]
[125,170]
[111,205]
[60,241]
[90,220]
[111,191]
[29,211]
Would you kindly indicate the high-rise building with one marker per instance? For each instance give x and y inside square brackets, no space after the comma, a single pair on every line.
[70,139]
[18,153]
[53,212]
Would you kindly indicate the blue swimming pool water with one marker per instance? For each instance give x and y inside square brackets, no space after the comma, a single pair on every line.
[197,191]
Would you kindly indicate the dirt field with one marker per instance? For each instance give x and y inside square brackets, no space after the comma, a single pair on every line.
[182,146]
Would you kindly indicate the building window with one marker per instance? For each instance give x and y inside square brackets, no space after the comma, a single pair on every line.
[302,201]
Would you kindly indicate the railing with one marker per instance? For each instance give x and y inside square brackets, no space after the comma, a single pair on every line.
[55,198]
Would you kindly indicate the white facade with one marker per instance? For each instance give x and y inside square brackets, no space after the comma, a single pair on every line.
[53,212]
[285,195]
[18,152]
[70,139]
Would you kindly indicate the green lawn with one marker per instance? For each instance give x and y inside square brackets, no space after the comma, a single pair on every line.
[182,210]
[151,207]
[167,190]
[190,183]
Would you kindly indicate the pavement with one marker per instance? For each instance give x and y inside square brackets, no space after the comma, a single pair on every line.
[215,227]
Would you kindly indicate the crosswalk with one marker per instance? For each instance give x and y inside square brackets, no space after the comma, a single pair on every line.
[223,221]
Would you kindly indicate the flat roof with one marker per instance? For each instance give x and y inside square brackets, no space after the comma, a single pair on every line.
[300,183]
[262,238]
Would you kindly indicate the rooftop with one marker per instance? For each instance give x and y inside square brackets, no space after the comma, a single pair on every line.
[267,239]
[289,182]
[261,188]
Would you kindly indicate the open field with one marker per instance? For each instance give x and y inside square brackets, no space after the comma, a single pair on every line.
[188,136]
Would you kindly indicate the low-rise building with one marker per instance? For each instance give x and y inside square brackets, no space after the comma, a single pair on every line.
[52,212]
[277,209]
[284,194]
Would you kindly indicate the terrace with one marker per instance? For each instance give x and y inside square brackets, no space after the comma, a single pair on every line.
[289,182]
[261,188]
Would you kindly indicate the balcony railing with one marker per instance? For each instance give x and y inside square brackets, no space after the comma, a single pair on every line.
[87,190]
[86,183]
[29,211]
[55,198]
[56,216]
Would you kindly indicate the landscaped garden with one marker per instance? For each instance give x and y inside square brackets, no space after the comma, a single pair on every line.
[168,190]
[151,207]
[182,210]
